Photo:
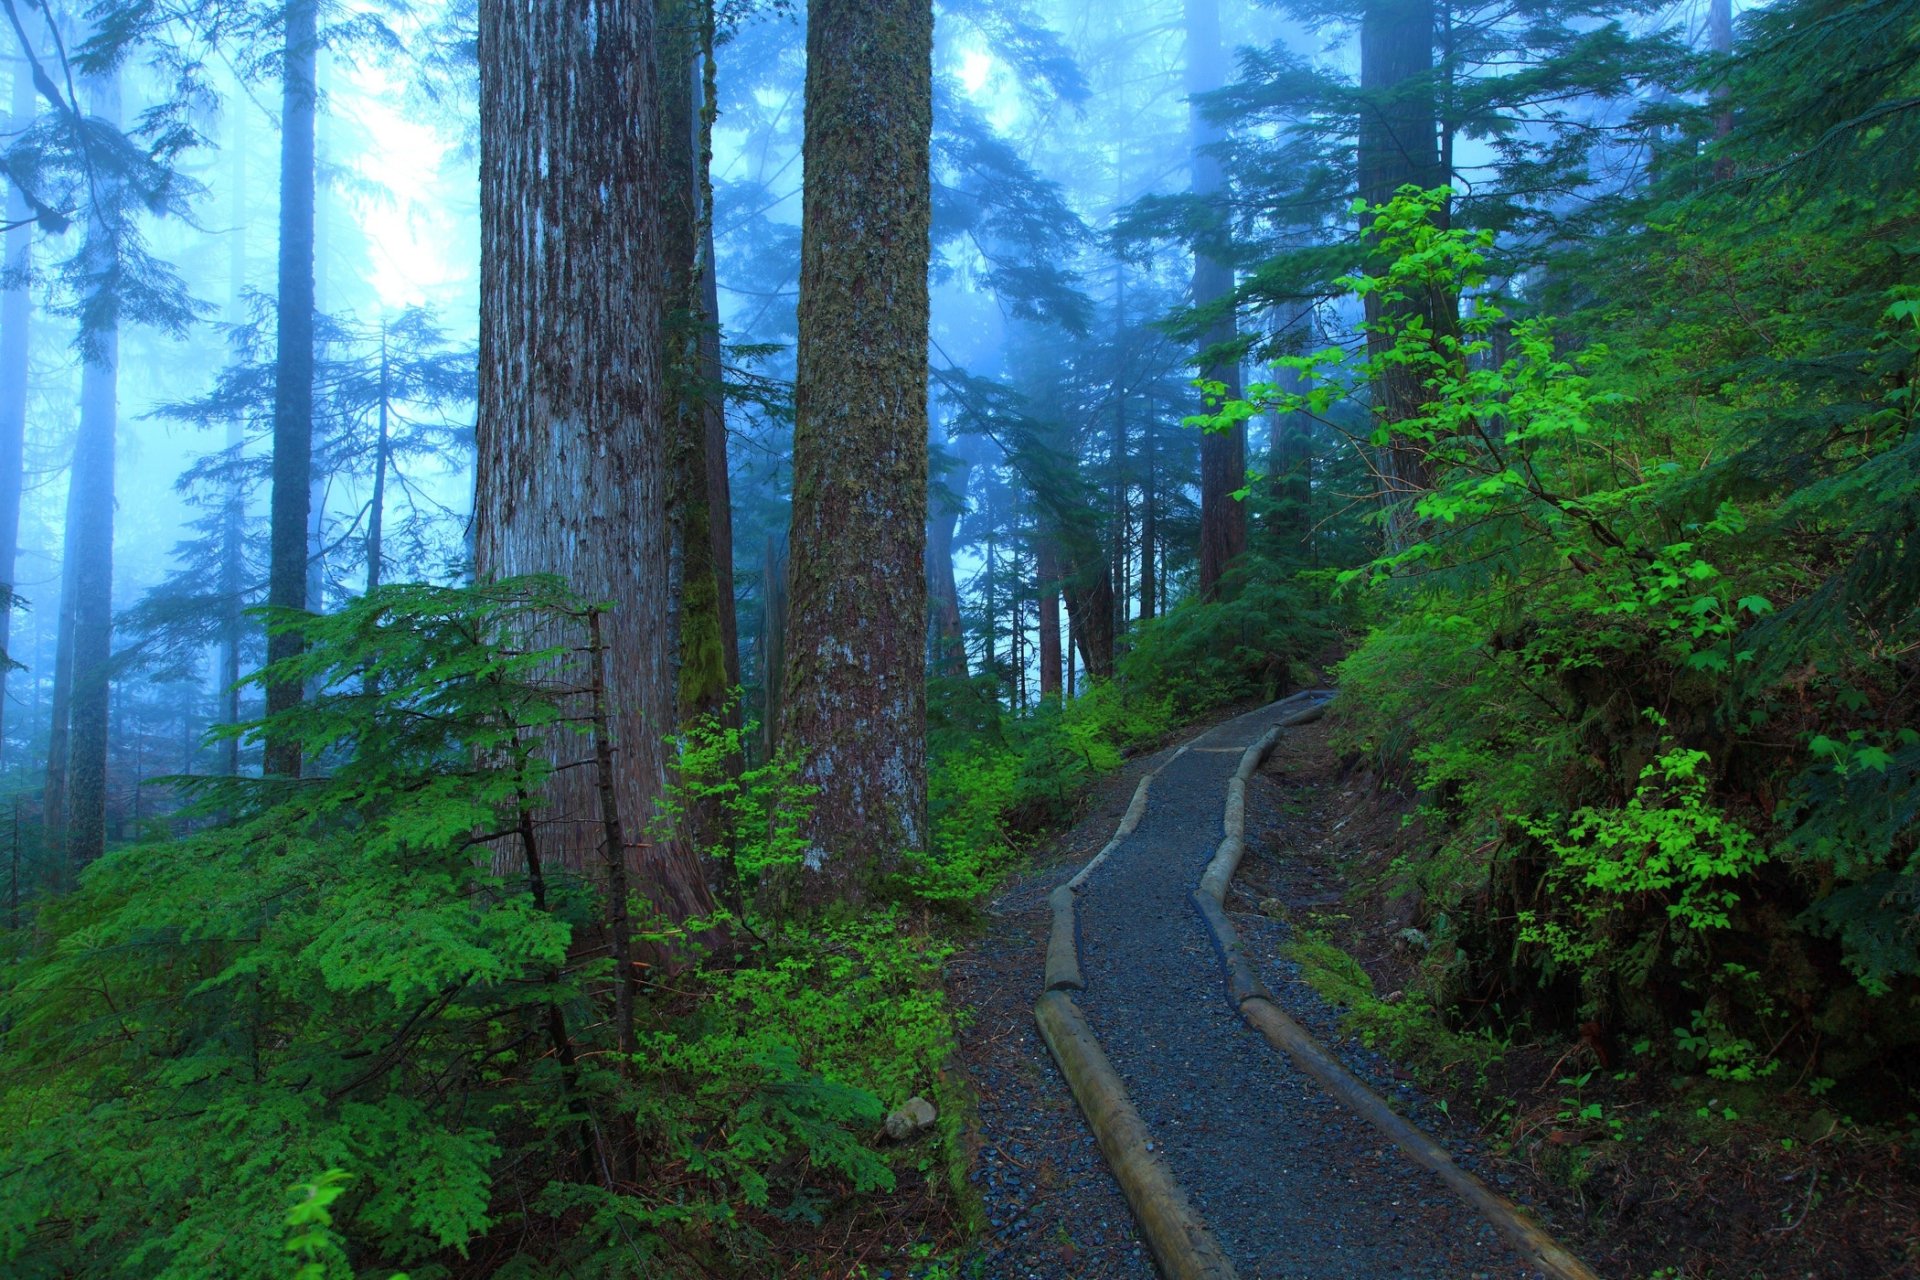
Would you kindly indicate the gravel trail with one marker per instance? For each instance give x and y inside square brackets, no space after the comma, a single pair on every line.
[1293,1186]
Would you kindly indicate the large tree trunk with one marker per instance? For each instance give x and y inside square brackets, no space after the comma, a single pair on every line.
[572,433]
[855,700]
[16,311]
[1223,455]
[90,527]
[1399,144]
[293,368]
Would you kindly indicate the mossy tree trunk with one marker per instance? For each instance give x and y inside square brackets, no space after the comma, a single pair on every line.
[1223,455]
[854,706]
[682,38]
[574,413]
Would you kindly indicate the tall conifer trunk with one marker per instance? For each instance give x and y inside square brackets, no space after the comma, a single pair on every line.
[293,366]
[16,314]
[1046,560]
[943,588]
[382,453]
[1398,144]
[855,699]
[680,39]
[573,417]
[90,500]
[1720,24]
[1223,455]
[1150,518]
[233,522]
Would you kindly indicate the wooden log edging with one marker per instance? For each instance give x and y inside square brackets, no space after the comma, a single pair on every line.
[1182,1246]
[1258,1007]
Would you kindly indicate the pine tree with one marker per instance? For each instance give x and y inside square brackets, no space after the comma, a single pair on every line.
[854,703]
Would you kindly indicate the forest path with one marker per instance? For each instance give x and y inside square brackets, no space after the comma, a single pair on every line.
[1292,1184]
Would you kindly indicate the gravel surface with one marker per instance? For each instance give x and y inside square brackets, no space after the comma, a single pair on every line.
[1292,1185]
[1052,1207]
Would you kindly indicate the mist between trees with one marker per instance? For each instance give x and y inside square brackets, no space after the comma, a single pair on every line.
[531,630]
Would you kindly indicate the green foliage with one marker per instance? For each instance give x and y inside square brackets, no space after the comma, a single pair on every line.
[1668,845]
[1646,678]
[1257,641]
[997,778]
[336,972]
[757,815]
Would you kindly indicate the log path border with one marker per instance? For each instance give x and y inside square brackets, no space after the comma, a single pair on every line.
[1182,1245]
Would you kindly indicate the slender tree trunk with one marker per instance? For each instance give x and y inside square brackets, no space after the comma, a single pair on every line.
[16,311]
[701,659]
[382,450]
[318,476]
[719,483]
[1046,560]
[943,588]
[233,522]
[1290,466]
[1398,145]
[855,708]
[90,500]
[1223,455]
[54,796]
[712,374]
[573,414]
[287,586]
[1720,23]
[1070,657]
[773,637]
[1150,519]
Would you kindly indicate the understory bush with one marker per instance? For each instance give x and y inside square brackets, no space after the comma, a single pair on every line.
[1653,690]
[339,984]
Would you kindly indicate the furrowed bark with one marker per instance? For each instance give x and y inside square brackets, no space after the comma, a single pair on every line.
[572,432]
